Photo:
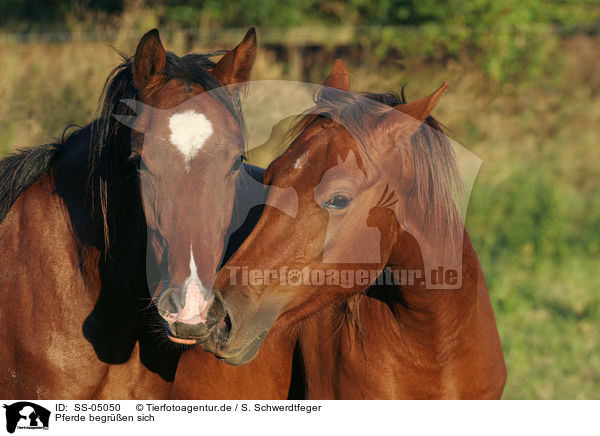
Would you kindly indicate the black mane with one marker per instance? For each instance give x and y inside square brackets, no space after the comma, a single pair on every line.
[20,170]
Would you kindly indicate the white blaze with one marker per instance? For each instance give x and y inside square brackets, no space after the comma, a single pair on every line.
[189,131]
[195,307]
[193,269]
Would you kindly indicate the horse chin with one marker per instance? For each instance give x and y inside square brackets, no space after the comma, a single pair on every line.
[186,335]
[242,355]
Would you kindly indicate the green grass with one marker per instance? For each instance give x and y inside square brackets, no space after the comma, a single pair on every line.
[534,213]
[549,319]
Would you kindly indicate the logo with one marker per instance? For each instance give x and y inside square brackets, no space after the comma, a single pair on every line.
[26,415]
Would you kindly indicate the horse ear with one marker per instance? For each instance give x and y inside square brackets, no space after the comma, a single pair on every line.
[235,66]
[149,61]
[339,77]
[417,112]
[421,108]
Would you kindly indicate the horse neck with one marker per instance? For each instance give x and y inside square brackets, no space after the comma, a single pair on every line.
[449,333]
[435,317]
[77,186]
[77,183]
[116,275]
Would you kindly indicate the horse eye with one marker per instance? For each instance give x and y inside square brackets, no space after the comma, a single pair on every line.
[338,201]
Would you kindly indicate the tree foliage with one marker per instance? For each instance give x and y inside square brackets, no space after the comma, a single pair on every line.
[512,39]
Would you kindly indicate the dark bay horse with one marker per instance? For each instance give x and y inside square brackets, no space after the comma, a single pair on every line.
[76,236]
[376,269]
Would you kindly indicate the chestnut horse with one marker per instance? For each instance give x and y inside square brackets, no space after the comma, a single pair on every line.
[74,296]
[376,182]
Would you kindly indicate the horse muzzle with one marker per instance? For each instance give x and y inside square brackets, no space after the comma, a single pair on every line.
[189,314]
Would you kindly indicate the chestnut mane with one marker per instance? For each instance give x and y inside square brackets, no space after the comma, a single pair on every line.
[437,178]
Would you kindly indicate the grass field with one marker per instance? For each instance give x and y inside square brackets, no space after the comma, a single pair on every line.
[534,214]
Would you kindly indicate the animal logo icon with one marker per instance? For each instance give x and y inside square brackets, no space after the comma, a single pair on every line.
[26,415]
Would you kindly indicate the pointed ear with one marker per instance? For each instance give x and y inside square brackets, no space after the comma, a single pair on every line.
[150,60]
[235,66]
[421,108]
[406,119]
[339,77]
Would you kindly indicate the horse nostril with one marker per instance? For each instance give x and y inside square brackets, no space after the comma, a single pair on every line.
[174,301]
[170,302]
[224,329]
[227,321]
[216,312]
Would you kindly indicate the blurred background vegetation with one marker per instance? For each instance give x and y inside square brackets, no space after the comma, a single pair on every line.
[524,97]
